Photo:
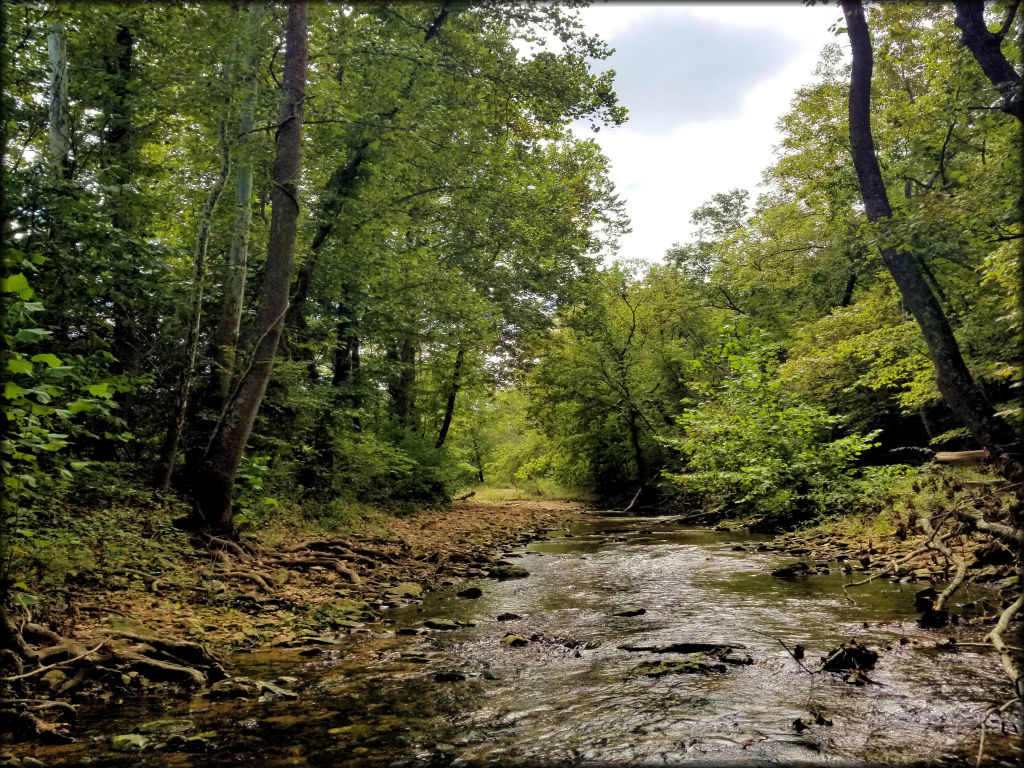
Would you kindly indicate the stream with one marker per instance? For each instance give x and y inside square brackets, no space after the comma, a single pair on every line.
[572,695]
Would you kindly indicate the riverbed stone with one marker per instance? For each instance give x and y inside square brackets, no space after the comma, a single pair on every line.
[515,641]
[791,570]
[505,572]
[631,611]
[129,742]
[508,617]
[233,688]
[691,664]
[472,593]
[168,725]
[406,589]
[441,624]
[273,691]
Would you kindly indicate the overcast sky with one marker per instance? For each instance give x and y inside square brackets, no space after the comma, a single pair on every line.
[705,84]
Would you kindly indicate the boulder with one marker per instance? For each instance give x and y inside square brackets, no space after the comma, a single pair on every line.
[515,641]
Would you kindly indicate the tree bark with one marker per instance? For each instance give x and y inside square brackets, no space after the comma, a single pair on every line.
[400,388]
[59,127]
[963,396]
[453,393]
[226,336]
[169,449]
[986,48]
[216,479]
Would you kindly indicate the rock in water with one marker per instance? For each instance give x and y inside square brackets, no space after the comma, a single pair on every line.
[849,657]
[631,612]
[505,572]
[129,742]
[515,641]
[792,570]
[689,665]
[472,593]
[442,624]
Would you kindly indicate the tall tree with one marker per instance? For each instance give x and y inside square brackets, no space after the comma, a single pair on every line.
[958,387]
[215,483]
[986,47]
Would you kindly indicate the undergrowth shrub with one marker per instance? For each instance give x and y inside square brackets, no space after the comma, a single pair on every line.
[755,448]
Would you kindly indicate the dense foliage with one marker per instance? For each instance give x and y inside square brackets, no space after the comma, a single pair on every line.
[451,320]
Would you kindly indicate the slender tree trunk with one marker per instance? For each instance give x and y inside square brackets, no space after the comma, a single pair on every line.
[117,171]
[964,398]
[343,183]
[169,449]
[59,127]
[400,388]
[216,480]
[986,47]
[226,336]
[449,409]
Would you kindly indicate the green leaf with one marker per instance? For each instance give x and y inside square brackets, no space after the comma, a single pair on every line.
[98,390]
[12,390]
[28,335]
[17,284]
[51,360]
[19,365]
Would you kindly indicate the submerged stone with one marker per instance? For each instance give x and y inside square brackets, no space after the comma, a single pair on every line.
[631,612]
[168,725]
[129,742]
[505,572]
[691,665]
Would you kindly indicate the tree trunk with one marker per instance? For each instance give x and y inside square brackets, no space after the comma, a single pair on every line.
[986,48]
[60,112]
[116,173]
[449,409]
[343,182]
[215,483]
[226,336]
[169,449]
[400,388]
[963,396]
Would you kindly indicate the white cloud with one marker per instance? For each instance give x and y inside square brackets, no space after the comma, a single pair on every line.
[664,176]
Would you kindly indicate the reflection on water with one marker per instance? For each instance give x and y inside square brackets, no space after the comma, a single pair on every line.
[570,697]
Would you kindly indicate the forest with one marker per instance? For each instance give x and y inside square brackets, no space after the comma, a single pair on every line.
[283,279]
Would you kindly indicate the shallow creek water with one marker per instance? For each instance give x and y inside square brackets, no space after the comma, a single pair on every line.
[570,696]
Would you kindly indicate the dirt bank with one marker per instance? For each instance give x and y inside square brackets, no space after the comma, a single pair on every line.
[159,626]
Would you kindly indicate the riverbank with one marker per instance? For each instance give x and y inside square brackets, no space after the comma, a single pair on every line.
[153,612]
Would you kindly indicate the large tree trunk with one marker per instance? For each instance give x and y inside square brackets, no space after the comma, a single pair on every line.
[449,409]
[216,480]
[169,449]
[226,336]
[986,48]
[60,112]
[963,396]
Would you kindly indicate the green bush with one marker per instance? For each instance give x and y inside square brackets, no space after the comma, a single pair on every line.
[754,446]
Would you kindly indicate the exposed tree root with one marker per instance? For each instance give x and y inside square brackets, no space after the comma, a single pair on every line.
[33,651]
[324,562]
